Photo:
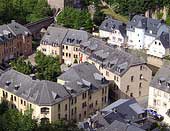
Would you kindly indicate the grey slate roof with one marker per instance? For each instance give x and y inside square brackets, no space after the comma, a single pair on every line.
[165,39]
[59,35]
[42,93]
[109,119]
[54,35]
[115,60]
[163,76]
[111,24]
[13,29]
[82,77]
[75,37]
[148,24]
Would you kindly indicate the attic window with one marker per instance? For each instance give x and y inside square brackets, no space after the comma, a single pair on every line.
[16,87]
[168,84]
[8,83]
[161,80]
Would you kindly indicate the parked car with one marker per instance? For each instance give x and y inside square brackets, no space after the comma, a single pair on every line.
[154,114]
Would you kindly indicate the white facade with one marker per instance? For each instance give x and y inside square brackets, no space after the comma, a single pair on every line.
[114,38]
[139,39]
[156,49]
[159,100]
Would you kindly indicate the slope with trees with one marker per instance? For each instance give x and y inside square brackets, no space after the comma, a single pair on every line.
[23,11]
[74,18]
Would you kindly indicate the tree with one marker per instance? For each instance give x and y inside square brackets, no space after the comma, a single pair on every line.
[21,66]
[47,67]
[23,11]
[74,18]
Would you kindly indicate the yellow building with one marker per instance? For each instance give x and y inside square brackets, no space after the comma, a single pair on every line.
[63,42]
[71,100]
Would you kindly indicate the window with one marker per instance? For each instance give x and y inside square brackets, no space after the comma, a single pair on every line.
[66,116]
[59,116]
[11,97]
[127,89]
[44,110]
[75,110]
[58,107]
[105,99]
[140,85]
[132,78]
[21,101]
[84,95]
[24,103]
[139,93]
[141,67]
[66,54]
[117,79]
[63,53]
[96,102]
[131,94]
[114,77]
[75,100]
[84,113]
[66,47]
[72,111]
[107,73]
[69,55]
[102,91]
[15,99]
[65,107]
[79,116]
[141,77]
[84,104]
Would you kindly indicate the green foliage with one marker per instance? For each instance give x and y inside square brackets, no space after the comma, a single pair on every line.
[130,7]
[21,66]
[23,11]
[159,15]
[47,67]
[168,19]
[74,18]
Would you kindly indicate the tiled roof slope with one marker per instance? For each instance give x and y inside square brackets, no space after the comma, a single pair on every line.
[111,24]
[42,93]
[9,31]
[59,35]
[162,79]
[148,24]
[115,60]
[83,77]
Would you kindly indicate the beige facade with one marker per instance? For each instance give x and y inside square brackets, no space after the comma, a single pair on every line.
[159,100]
[133,83]
[81,106]
[60,3]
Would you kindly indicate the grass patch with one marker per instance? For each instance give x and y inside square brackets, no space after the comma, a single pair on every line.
[114,15]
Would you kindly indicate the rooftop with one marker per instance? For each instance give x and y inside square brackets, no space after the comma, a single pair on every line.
[115,60]
[11,30]
[42,93]
[112,24]
[82,77]
[161,80]
[59,35]
[115,118]
[151,26]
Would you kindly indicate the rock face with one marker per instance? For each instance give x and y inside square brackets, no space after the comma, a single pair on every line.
[159,12]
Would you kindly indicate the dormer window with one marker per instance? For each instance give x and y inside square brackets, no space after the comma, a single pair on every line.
[168,84]
[150,31]
[161,80]
[16,87]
